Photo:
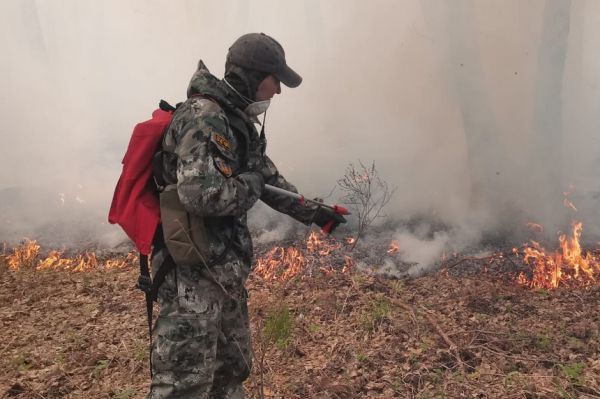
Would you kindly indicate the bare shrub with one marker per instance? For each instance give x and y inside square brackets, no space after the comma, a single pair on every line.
[366,194]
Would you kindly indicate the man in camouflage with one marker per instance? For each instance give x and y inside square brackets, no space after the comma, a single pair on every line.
[215,158]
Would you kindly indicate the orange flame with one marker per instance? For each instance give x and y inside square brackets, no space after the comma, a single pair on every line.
[27,255]
[316,244]
[348,264]
[23,255]
[568,266]
[268,265]
[285,263]
[394,247]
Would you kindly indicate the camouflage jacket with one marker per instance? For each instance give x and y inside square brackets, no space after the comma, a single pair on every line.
[208,144]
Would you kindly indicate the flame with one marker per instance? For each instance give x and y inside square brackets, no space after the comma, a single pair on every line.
[394,247]
[281,263]
[268,265]
[569,266]
[348,264]
[121,262]
[27,255]
[23,255]
[316,244]
[350,240]
[54,260]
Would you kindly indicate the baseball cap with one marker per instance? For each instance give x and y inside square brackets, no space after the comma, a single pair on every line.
[261,52]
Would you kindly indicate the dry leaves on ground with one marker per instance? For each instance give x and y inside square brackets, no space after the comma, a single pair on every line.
[70,334]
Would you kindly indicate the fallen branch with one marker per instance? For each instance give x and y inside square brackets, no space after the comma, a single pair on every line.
[8,345]
[452,346]
[261,364]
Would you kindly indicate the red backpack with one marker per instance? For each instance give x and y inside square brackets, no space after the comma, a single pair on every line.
[135,205]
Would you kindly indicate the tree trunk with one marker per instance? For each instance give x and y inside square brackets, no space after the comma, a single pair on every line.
[548,107]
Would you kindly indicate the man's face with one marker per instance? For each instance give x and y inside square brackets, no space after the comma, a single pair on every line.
[268,88]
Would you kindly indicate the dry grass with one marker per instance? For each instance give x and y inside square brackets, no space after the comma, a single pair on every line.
[83,335]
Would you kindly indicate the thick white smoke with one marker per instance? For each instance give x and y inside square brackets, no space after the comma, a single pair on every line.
[481,112]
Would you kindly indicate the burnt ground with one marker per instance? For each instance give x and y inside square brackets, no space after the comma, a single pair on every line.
[70,334]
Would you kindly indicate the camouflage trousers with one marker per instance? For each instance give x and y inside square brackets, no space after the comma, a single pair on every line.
[201,338]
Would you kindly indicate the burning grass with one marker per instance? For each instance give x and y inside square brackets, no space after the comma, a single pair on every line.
[569,266]
[69,332]
[319,253]
[28,255]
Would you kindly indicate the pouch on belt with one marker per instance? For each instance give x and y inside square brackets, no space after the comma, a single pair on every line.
[185,235]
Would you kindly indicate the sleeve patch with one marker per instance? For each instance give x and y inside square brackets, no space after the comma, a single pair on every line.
[223,145]
[223,167]
[222,141]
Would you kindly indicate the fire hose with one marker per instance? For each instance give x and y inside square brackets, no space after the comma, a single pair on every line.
[340,210]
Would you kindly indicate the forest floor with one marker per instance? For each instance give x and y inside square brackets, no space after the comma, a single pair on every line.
[67,334]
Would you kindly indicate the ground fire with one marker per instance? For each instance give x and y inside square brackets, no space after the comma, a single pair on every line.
[394,247]
[28,255]
[281,263]
[569,266]
[380,329]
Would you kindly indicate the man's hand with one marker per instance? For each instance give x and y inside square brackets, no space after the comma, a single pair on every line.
[324,215]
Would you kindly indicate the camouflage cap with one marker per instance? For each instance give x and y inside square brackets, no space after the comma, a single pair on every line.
[261,52]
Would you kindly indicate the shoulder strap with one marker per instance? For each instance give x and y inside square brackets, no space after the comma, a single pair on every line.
[150,287]
[145,284]
[165,106]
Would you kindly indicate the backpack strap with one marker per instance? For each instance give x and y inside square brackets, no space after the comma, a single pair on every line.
[145,284]
[159,278]
[150,287]
[165,106]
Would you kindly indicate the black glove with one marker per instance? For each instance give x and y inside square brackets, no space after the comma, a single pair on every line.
[324,215]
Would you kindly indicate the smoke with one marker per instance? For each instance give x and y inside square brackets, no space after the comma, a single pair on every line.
[481,112]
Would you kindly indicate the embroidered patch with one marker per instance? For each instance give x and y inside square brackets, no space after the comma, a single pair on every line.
[222,141]
[223,167]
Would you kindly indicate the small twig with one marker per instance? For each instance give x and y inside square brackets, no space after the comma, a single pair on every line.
[261,362]
[242,353]
[8,345]
[478,331]
[410,310]
[330,193]
[499,353]
[125,346]
[588,391]
[449,342]
[40,395]
[464,260]
[344,304]
[578,297]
